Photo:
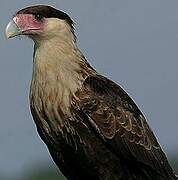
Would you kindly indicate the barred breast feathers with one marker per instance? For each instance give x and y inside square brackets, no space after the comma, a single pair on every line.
[59,70]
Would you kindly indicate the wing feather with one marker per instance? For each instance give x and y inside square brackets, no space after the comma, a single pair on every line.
[118,121]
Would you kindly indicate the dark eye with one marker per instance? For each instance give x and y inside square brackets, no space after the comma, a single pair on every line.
[38,17]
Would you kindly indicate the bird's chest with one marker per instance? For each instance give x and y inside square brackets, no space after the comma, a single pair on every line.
[51,109]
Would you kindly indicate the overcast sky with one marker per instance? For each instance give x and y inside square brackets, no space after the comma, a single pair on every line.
[135,43]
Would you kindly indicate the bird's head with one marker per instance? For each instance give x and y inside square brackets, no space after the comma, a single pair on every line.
[40,22]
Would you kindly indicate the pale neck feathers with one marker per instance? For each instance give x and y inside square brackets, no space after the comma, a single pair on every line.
[57,70]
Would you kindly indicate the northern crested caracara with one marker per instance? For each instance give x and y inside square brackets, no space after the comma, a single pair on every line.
[92,128]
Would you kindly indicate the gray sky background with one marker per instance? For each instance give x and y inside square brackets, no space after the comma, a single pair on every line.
[135,43]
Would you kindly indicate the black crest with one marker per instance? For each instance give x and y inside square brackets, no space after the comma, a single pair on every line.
[47,12]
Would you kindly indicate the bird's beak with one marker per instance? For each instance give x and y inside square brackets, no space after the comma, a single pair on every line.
[12,30]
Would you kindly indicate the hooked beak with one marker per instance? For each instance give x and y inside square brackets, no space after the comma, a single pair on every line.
[12,30]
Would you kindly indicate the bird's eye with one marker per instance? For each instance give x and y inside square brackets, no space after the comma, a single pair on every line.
[38,17]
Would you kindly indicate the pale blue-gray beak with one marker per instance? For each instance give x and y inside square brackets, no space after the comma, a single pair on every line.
[12,30]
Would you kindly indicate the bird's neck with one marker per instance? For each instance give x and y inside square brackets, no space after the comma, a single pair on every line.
[56,57]
[58,69]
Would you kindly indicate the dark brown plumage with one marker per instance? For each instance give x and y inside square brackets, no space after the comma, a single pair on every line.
[92,128]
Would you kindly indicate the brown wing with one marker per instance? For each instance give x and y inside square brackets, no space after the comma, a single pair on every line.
[120,124]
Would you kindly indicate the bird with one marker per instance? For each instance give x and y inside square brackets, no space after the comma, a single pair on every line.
[91,127]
